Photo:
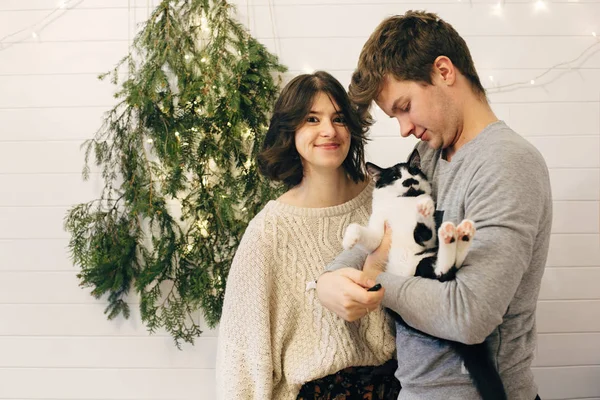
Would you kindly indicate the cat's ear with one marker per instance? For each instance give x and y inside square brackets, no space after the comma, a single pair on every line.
[374,171]
[415,159]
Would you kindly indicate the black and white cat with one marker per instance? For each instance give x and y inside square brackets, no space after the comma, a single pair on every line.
[402,197]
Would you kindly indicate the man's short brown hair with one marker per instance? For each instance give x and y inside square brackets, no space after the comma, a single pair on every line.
[405,47]
[279,159]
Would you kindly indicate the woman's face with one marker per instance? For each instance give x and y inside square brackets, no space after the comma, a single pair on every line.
[323,140]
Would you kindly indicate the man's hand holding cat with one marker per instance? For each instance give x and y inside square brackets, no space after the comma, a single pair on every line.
[377,260]
[344,291]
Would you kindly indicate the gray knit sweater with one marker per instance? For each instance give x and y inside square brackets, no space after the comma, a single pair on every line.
[500,181]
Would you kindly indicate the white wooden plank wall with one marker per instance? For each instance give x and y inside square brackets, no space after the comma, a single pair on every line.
[55,342]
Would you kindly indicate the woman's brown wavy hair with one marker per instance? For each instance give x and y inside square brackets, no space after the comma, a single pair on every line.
[279,159]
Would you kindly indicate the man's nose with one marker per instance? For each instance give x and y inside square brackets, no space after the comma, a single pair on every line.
[406,126]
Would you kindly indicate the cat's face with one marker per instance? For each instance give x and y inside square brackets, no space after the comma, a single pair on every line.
[403,179]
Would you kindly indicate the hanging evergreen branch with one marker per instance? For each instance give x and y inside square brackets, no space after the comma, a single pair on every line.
[177,158]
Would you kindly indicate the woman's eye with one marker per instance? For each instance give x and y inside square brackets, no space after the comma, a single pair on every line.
[312,119]
[339,120]
[406,108]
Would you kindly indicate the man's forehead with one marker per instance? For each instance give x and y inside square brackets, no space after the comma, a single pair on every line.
[391,89]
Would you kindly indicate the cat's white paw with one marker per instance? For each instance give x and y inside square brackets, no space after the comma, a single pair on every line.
[441,268]
[425,207]
[439,271]
[465,230]
[352,236]
[447,233]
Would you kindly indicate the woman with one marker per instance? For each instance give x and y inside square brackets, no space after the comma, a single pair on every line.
[276,341]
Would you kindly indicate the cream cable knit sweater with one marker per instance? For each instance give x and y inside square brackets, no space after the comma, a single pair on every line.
[274,335]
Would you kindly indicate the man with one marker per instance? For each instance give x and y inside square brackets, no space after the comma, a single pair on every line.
[419,70]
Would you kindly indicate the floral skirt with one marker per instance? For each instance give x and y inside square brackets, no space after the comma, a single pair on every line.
[355,383]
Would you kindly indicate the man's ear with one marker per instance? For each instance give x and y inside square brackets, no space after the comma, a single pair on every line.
[445,70]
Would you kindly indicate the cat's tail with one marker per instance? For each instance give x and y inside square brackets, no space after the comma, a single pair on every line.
[482,370]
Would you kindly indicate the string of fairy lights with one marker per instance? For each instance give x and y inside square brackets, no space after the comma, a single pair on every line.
[492,85]
[33,32]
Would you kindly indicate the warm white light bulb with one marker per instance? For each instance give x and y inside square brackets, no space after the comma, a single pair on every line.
[497,8]
[532,82]
[594,34]
[204,24]
[540,5]
[34,35]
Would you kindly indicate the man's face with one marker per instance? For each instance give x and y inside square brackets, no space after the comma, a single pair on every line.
[424,111]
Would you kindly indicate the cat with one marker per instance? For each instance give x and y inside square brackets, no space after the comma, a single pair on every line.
[402,197]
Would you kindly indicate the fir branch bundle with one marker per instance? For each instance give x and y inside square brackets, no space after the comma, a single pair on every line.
[177,158]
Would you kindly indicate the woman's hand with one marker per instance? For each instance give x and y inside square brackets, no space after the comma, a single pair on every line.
[344,291]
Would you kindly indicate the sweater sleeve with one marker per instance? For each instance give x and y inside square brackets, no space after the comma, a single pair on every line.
[353,258]
[244,367]
[509,201]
